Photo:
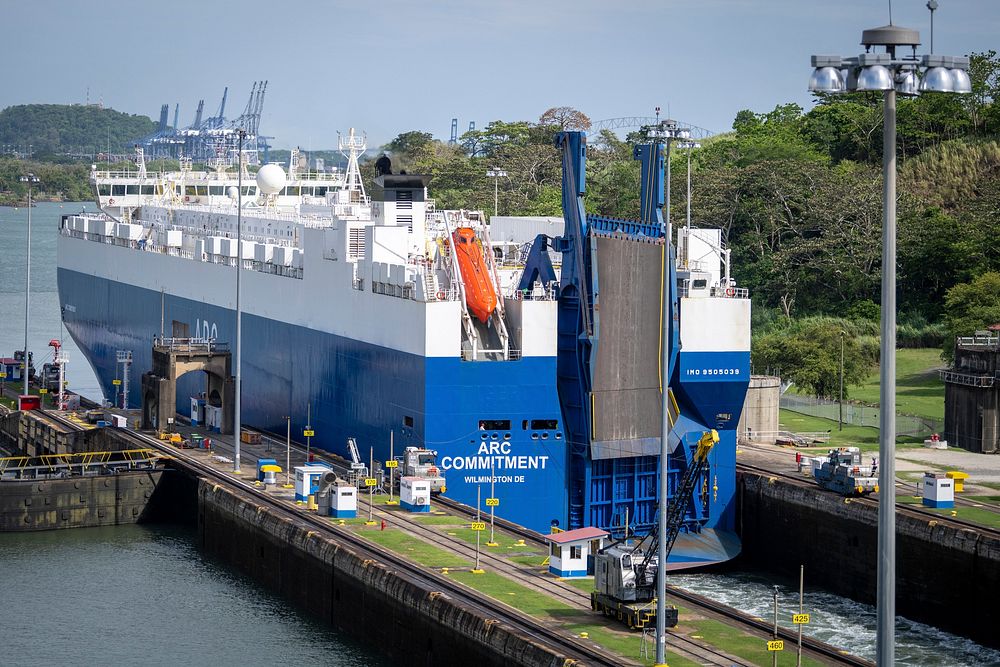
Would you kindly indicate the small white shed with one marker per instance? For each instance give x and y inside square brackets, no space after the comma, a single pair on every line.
[570,550]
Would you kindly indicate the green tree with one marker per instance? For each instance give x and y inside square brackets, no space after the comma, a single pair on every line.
[408,143]
[971,307]
[808,354]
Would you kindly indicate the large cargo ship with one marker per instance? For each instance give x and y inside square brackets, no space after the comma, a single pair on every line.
[355,311]
[391,317]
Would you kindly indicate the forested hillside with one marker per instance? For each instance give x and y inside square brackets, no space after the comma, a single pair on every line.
[54,129]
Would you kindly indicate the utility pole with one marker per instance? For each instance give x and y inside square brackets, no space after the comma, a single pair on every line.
[371,487]
[492,502]
[802,574]
[840,427]
[288,450]
[774,654]
[308,432]
[391,464]
[238,423]
[30,179]
[496,174]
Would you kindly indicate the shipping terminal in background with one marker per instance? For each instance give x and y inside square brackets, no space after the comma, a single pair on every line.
[529,356]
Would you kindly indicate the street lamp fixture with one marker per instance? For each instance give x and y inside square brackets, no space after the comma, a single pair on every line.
[891,73]
[31,180]
[496,174]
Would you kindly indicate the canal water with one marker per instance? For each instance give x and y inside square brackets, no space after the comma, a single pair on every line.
[837,620]
[145,595]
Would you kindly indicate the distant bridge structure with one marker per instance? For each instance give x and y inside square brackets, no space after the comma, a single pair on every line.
[643,121]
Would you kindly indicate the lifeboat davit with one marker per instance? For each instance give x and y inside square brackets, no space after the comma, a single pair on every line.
[480,296]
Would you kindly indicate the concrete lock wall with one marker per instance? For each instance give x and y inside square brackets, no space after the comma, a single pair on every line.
[760,410]
[945,576]
[376,605]
[76,502]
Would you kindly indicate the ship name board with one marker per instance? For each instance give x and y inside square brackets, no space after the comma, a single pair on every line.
[499,457]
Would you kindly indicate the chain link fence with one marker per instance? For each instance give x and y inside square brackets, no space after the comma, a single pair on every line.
[859,415]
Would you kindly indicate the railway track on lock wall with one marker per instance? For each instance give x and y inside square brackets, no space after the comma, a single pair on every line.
[559,642]
[701,603]
[901,508]
[684,645]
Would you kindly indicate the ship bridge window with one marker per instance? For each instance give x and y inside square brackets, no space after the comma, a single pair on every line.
[700,283]
[320,190]
[249,190]
[118,190]
[147,189]
[131,189]
[544,424]
[216,190]
[202,190]
[494,424]
[190,191]
[104,190]
[291,190]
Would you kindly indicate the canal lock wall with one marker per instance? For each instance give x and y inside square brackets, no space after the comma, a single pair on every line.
[374,603]
[946,576]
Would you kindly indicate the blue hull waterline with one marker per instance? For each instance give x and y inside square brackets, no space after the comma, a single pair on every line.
[357,390]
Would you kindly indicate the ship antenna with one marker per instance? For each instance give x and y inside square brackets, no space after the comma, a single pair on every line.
[351,148]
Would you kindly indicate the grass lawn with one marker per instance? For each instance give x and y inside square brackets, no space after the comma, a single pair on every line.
[864,437]
[974,514]
[919,390]
[413,548]
[744,645]
[506,542]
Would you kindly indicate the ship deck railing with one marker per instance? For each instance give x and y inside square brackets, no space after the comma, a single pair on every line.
[97,175]
[190,345]
[731,292]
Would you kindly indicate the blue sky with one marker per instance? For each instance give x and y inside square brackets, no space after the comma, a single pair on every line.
[391,66]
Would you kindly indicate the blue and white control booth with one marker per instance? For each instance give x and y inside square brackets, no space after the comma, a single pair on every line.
[939,490]
[343,500]
[307,480]
[415,494]
[570,550]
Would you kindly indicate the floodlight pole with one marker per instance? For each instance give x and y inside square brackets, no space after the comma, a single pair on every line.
[237,417]
[29,179]
[886,589]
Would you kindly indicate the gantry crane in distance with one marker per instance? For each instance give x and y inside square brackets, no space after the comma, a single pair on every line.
[625,574]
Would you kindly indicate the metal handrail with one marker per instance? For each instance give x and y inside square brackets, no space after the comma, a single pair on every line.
[966,379]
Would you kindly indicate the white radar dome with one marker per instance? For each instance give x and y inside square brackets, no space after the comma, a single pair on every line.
[233,192]
[270,179]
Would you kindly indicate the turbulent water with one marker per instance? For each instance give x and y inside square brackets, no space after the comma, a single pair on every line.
[837,620]
[144,595]
[45,322]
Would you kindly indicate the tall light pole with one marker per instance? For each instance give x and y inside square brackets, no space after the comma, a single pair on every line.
[496,173]
[907,74]
[237,417]
[30,179]
[664,132]
[840,421]
[689,145]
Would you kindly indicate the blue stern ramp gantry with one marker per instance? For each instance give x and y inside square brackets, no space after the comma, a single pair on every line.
[608,363]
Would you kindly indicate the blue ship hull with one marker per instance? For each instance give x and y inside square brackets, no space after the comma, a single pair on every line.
[356,389]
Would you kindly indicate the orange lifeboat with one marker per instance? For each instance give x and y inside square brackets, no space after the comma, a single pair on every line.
[480,296]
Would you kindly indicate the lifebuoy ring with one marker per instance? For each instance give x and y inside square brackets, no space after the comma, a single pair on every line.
[111,202]
[187,198]
[440,296]
[730,291]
